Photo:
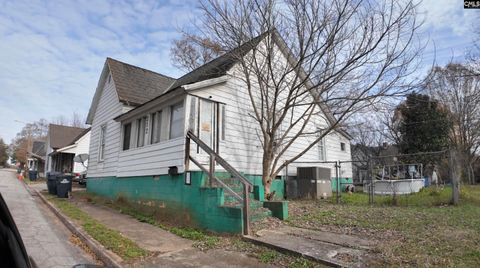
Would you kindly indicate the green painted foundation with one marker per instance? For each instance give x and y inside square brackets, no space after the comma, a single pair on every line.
[194,205]
[278,185]
[343,183]
[279,208]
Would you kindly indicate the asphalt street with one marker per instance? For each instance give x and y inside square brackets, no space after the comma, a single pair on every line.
[45,237]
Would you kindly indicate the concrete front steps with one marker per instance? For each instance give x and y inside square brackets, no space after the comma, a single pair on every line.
[257,211]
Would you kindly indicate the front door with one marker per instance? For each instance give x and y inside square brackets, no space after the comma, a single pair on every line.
[206,122]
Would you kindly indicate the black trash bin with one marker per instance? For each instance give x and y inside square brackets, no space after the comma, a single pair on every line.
[32,175]
[64,185]
[52,182]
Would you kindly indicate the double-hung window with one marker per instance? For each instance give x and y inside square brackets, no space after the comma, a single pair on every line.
[156,119]
[127,133]
[176,120]
[321,146]
[101,147]
[142,129]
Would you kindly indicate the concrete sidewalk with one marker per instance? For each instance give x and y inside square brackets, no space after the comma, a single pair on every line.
[168,249]
[332,249]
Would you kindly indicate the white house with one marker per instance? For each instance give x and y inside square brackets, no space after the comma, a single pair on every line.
[63,143]
[140,121]
[79,146]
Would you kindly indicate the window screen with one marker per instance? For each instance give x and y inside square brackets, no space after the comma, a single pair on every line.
[176,121]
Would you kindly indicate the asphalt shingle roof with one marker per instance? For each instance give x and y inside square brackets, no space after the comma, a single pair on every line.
[61,136]
[136,85]
[219,66]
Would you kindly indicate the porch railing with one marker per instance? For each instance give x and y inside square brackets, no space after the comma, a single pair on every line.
[216,158]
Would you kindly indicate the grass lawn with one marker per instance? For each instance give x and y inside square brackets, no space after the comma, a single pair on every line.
[421,231]
[111,239]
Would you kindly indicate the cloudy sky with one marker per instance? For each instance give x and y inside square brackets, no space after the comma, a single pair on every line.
[52,52]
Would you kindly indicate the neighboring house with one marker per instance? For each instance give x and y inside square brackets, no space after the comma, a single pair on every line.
[375,156]
[79,146]
[36,158]
[60,138]
[140,121]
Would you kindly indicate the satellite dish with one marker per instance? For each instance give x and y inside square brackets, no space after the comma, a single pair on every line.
[81,158]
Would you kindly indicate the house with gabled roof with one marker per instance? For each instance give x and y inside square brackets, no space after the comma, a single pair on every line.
[188,146]
[36,157]
[61,148]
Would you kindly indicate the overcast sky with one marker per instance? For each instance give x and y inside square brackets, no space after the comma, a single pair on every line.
[52,52]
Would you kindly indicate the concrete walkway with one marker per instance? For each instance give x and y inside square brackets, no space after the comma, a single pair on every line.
[332,249]
[145,235]
[169,249]
[45,238]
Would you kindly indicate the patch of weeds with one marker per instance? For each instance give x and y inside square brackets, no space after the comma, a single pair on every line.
[188,233]
[302,263]
[111,239]
[267,256]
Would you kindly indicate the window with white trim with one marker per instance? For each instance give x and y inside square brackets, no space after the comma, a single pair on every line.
[156,119]
[142,129]
[101,147]
[321,146]
[127,133]
[176,120]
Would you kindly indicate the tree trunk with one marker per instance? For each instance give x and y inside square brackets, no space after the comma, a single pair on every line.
[266,179]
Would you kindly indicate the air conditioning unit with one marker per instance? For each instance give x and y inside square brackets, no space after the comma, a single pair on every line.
[314,182]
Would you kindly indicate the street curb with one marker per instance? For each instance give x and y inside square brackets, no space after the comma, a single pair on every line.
[102,253]
[289,251]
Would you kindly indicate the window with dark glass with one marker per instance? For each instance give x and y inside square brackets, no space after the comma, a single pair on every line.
[127,133]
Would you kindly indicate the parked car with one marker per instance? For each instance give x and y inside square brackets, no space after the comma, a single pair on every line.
[80,178]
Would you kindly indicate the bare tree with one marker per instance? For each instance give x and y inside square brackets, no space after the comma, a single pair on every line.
[301,60]
[458,88]
[76,120]
[59,120]
[192,51]
[23,141]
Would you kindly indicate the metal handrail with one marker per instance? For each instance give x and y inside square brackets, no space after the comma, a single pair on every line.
[219,159]
[215,157]
[233,193]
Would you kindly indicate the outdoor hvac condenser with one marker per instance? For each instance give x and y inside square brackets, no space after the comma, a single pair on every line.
[314,182]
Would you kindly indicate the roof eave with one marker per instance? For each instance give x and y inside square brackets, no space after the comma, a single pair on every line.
[151,104]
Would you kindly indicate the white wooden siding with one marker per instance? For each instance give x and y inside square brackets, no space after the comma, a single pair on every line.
[82,147]
[108,108]
[242,147]
[152,159]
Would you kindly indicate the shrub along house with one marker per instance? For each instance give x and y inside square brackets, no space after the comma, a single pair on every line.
[186,146]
